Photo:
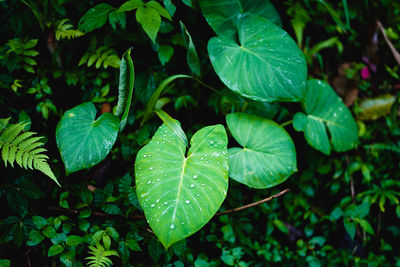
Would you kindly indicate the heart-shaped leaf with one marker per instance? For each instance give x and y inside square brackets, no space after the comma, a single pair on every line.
[323,109]
[266,64]
[220,14]
[268,156]
[84,141]
[179,194]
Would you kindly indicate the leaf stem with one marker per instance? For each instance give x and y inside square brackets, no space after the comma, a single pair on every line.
[254,203]
[286,123]
[206,85]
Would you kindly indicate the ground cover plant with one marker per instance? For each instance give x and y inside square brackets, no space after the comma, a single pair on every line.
[199,133]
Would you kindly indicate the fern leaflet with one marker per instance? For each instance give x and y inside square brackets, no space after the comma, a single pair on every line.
[23,148]
[100,256]
[64,29]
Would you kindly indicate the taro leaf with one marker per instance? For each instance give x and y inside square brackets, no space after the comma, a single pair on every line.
[324,109]
[95,17]
[125,88]
[220,15]
[84,141]
[179,194]
[266,64]
[268,156]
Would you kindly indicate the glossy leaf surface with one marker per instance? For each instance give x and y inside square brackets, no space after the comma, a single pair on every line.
[268,156]
[266,64]
[325,110]
[220,15]
[83,140]
[179,194]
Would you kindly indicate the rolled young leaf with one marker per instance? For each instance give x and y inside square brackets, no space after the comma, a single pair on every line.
[125,88]
[324,109]
[268,156]
[180,193]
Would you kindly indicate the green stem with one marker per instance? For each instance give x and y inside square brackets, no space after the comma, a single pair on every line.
[286,123]
[206,85]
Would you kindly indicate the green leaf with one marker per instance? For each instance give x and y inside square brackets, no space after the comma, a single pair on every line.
[162,11]
[374,108]
[266,64]
[268,156]
[366,226]
[172,125]
[324,109]
[170,7]
[34,238]
[84,141]
[165,53]
[133,245]
[55,250]
[125,88]
[49,232]
[179,194]
[5,263]
[221,15]
[150,20]
[39,222]
[192,58]
[74,240]
[350,228]
[130,5]
[115,18]
[95,17]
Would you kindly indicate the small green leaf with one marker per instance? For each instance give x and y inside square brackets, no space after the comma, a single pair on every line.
[162,11]
[55,250]
[39,222]
[84,141]
[74,240]
[324,109]
[150,20]
[49,232]
[180,193]
[366,226]
[133,245]
[5,263]
[165,53]
[350,228]
[107,242]
[130,5]
[268,156]
[34,238]
[95,17]
[125,184]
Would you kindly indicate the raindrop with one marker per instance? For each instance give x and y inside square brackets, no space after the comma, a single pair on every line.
[192,186]
[187,201]
[195,176]
[172,226]
[151,168]
[165,203]
[152,205]
[334,114]
[158,200]
[144,156]
[149,182]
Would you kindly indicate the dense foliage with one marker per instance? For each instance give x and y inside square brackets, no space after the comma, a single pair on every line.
[143,109]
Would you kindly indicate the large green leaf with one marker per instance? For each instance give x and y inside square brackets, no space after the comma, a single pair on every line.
[221,14]
[266,64]
[125,88]
[84,141]
[95,17]
[324,109]
[268,156]
[180,193]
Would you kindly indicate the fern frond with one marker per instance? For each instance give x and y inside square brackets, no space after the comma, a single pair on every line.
[100,256]
[64,29]
[23,148]
[103,56]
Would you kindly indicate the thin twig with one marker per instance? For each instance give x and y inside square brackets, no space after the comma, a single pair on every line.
[395,53]
[254,203]
[286,123]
